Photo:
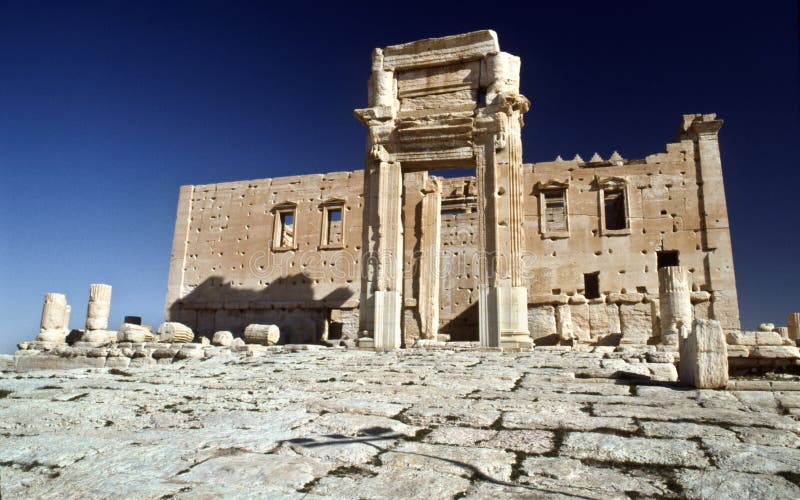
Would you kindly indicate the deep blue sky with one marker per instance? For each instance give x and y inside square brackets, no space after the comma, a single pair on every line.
[107,108]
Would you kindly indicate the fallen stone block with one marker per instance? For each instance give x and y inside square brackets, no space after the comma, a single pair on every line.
[188,352]
[774,351]
[222,338]
[704,355]
[51,362]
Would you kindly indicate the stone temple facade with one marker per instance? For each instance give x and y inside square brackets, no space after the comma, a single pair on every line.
[599,251]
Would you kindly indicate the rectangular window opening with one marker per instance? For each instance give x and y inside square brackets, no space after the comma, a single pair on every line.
[286,236]
[481,97]
[555,209]
[591,285]
[614,202]
[667,258]
[334,235]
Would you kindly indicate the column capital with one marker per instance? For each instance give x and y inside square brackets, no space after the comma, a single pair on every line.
[699,126]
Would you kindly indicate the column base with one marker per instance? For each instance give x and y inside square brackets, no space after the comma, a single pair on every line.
[516,342]
[503,317]
[386,326]
[53,336]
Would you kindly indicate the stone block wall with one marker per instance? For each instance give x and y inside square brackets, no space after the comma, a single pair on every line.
[234,263]
[267,251]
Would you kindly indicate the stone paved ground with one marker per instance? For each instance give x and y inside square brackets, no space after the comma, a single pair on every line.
[406,424]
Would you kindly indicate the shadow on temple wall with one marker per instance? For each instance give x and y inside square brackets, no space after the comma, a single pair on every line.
[464,327]
[288,302]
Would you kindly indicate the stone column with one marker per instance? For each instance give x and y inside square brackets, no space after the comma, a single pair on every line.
[704,355]
[382,278]
[431,245]
[503,294]
[99,307]
[54,314]
[389,272]
[382,262]
[675,302]
[413,192]
[793,323]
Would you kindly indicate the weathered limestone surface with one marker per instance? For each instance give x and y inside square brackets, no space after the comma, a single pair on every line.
[288,422]
[675,302]
[262,334]
[99,307]
[130,332]
[704,355]
[222,338]
[174,332]
[55,319]
[793,322]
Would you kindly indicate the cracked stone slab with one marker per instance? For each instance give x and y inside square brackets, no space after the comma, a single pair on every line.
[459,435]
[768,437]
[684,430]
[244,472]
[583,480]
[526,441]
[699,415]
[557,415]
[744,457]
[359,406]
[392,484]
[455,460]
[443,413]
[624,450]
[730,485]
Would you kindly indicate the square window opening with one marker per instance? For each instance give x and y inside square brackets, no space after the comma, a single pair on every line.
[667,258]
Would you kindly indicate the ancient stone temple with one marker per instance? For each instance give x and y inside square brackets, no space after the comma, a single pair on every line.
[505,253]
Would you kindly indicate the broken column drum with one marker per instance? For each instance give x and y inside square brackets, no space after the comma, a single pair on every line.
[55,319]
[675,302]
[54,312]
[99,307]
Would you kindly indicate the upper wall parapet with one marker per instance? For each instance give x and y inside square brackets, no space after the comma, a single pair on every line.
[439,51]
[277,182]
[692,126]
